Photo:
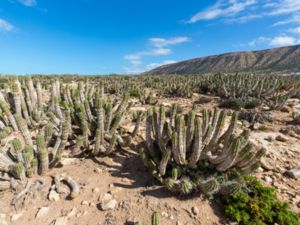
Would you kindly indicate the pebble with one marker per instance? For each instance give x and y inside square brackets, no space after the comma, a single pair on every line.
[164,214]
[195,210]
[107,202]
[98,170]
[72,212]
[293,173]
[268,179]
[96,190]
[53,196]
[16,217]
[60,221]
[84,203]
[42,212]
[281,138]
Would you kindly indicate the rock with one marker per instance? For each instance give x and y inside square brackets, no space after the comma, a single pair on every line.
[60,221]
[98,170]
[16,217]
[164,214]
[293,173]
[268,179]
[115,190]
[179,223]
[42,212]
[286,109]
[107,202]
[53,196]
[96,190]
[195,210]
[259,170]
[84,203]
[281,138]
[256,126]
[266,165]
[70,161]
[72,212]
[92,204]
[3,221]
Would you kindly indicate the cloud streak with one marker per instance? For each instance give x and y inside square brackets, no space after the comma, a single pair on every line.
[277,41]
[5,26]
[241,11]
[222,9]
[159,47]
[28,3]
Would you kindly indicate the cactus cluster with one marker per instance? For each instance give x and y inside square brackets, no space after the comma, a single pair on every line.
[92,121]
[36,130]
[188,153]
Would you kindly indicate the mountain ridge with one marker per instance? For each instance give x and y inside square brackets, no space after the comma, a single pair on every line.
[283,59]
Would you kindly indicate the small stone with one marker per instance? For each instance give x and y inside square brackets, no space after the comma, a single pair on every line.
[61,221]
[98,170]
[84,203]
[3,221]
[171,217]
[53,196]
[178,223]
[96,190]
[70,161]
[107,202]
[16,217]
[115,190]
[72,212]
[92,204]
[259,170]
[42,212]
[268,179]
[286,109]
[293,173]
[195,210]
[281,138]
[256,126]
[164,214]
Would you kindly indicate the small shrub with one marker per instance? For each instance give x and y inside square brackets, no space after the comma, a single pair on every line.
[232,103]
[258,205]
[203,100]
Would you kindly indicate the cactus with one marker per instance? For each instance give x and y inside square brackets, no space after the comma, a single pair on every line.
[195,154]
[155,219]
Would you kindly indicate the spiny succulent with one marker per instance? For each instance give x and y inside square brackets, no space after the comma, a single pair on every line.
[188,153]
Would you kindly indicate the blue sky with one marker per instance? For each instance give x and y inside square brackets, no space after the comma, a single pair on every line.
[118,36]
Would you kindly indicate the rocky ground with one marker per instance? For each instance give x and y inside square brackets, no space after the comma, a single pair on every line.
[119,190]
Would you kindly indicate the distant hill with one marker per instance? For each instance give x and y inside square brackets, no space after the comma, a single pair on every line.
[285,59]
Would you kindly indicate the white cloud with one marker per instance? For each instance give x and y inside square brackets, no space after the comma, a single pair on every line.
[258,41]
[282,7]
[277,41]
[222,8]
[283,40]
[159,47]
[5,26]
[28,3]
[162,42]
[154,65]
[294,19]
[295,30]
[241,11]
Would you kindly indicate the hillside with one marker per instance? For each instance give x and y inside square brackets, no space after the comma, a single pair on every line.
[271,60]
